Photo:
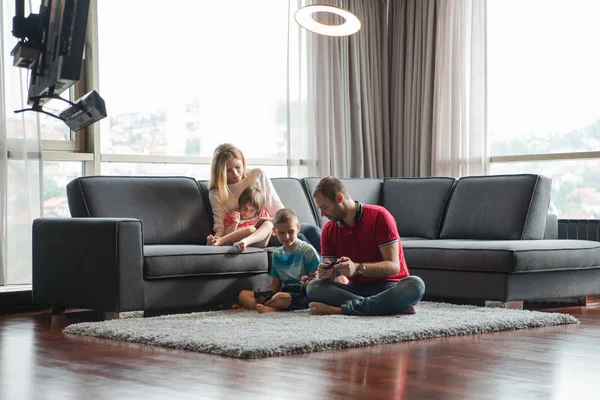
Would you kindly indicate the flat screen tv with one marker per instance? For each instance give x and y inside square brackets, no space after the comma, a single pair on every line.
[58,67]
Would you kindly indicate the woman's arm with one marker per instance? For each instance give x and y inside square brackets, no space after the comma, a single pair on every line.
[272,201]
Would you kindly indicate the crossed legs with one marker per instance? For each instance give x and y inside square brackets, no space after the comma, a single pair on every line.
[366,299]
[279,301]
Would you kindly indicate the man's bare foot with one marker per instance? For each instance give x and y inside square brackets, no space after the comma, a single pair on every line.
[261,308]
[408,310]
[323,309]
[240,245]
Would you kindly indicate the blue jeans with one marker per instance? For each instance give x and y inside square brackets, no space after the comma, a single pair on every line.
[311,234]
[379,298]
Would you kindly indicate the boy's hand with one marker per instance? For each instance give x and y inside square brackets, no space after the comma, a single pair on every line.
[304,280]
[262,296]
[307,278]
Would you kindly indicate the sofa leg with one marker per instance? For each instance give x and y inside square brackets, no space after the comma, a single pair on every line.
[110,315]
[56,309]
[514,305]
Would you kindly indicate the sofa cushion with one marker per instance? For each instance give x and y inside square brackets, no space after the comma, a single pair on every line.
[507,256]
[292,195]
[168,261]
[365,190]
[498,207]
[418,204]
[171,208]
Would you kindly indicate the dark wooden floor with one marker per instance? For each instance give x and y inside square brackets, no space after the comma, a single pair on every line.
[38,362]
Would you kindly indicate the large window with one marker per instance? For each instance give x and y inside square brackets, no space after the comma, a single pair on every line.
[544,103]
[170,169]
[180,78]
[56,175]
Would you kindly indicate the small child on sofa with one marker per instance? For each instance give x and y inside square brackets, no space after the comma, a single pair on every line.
[241,223]
[293,263]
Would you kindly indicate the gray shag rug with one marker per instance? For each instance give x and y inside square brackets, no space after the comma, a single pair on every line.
[248,334]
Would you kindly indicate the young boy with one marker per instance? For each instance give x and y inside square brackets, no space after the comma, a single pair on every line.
[293,263]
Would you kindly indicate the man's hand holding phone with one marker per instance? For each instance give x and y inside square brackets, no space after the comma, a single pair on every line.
[327,269]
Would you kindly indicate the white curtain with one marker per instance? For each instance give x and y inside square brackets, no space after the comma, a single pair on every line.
[405,96]
[459,116]
[20,162]
[301,138]
[344,104]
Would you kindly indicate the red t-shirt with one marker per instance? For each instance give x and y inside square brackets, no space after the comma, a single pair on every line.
[373,227]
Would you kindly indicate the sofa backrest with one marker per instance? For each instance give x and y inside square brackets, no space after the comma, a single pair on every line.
[171,208]
[498,207]
[417,204]
[292,194]
[204,191]
[365,190]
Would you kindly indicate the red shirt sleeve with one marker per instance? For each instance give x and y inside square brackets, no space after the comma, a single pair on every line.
[264,214]
[386,229]
[227,221]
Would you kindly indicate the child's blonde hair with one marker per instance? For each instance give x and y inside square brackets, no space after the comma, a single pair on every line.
[218,170]
[285,215]
[253,196]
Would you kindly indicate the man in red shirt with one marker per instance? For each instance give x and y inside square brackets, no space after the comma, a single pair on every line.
[363,242]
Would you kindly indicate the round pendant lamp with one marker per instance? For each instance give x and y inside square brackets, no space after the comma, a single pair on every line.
[304,18]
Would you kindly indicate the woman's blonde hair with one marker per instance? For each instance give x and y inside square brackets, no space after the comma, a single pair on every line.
[218,170]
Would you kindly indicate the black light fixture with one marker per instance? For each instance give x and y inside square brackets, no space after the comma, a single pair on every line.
[84,112]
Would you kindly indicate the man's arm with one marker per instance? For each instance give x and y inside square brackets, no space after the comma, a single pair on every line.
[390,265]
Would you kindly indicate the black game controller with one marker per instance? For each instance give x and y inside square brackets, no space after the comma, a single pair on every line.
[330,264]
[262,296]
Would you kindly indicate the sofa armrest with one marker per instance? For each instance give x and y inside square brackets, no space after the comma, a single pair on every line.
[94,263]
[551,231]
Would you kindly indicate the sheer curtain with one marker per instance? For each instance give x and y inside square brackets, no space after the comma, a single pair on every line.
[345,106]
[20,162]
[459,115]
[301,139]
[405,96]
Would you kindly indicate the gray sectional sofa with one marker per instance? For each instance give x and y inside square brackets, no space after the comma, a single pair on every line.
[138,243]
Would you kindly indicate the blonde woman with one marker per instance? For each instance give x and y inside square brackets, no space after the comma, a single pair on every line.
[229,178]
